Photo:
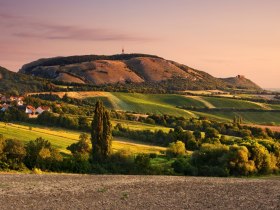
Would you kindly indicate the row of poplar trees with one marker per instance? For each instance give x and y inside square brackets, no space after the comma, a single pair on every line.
[101,133]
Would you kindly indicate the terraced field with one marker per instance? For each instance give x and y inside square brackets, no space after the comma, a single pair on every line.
[61,138]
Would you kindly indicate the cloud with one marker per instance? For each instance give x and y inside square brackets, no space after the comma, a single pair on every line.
[25,28]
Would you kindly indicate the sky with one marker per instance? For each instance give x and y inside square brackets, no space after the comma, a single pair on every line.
[223,38]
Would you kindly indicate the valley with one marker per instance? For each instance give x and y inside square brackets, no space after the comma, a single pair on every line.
[158,117]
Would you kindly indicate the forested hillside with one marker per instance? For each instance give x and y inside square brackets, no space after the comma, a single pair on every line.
[17,83]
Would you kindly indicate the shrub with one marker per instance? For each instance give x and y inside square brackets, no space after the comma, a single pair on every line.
[211,160]
[41,154]
[239,163]
[13,154]
[176,149]
[142,164]
[183,166]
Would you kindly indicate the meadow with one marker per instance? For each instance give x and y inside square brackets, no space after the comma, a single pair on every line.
[169,103]
[261,118]
[231,103]
[62,138]
[150,103]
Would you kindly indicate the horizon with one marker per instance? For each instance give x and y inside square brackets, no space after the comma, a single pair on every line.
[224,39]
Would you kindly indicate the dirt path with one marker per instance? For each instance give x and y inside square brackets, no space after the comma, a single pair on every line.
[191,114]
[206,103]
[261,105]
[136,192]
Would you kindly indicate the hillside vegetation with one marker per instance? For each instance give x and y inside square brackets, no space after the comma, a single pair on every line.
[241,82]
[217,108]
[20,83]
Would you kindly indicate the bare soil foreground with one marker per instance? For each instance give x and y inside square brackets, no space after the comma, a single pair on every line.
[53,191]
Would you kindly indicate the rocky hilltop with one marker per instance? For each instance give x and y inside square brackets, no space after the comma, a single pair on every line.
[241,81]
[126,68]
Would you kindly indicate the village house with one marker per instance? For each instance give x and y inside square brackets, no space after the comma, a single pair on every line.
[30,110]
[3,99]
[42,109]
[4,107]
[19,101]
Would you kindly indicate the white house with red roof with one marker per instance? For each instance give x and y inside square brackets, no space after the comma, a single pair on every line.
[42,109]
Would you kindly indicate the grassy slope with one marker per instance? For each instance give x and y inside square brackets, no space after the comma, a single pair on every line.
[150,103]
[139,126]
[231,103]
[166,104]
[62,138]
[248,117]
[272,106]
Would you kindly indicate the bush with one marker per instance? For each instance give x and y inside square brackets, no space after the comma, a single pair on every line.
[142,164]
[183,166]
[41,154]
[239,163]
[264,161]
[13,153]
[211,160]
[176,149]
[36,171]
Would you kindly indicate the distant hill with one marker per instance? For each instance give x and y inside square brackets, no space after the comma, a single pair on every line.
[140,70]
[241,82]
[11,82]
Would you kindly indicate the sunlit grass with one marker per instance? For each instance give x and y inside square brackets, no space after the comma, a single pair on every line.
[61,138]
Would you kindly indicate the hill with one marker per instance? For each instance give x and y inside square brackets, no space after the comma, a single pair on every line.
[241,82]
[140,70]
[20,83]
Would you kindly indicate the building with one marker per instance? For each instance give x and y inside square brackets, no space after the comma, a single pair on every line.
[30,110]
[4,107]
[42,109]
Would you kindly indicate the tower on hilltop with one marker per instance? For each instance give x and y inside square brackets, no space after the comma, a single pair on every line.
[122,50]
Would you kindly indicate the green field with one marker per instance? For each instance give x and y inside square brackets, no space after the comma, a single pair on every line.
[149,103]
[248,117]
[61,138]
[167,104]
[133,125]
[276,106]
[231,103]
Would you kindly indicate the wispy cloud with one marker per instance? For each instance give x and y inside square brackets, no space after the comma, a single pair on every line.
[26,28]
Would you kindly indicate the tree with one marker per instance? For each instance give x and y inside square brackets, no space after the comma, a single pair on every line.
[211,133]
[197,134]
[239,163]
[264,161]
[81,148]
[13,153]
[83,123]
[101,133]
[41,154]
[176,149]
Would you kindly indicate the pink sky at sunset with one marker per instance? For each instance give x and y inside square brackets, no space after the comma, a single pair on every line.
[223,38]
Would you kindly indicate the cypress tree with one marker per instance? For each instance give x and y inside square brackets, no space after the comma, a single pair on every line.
[101,137]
